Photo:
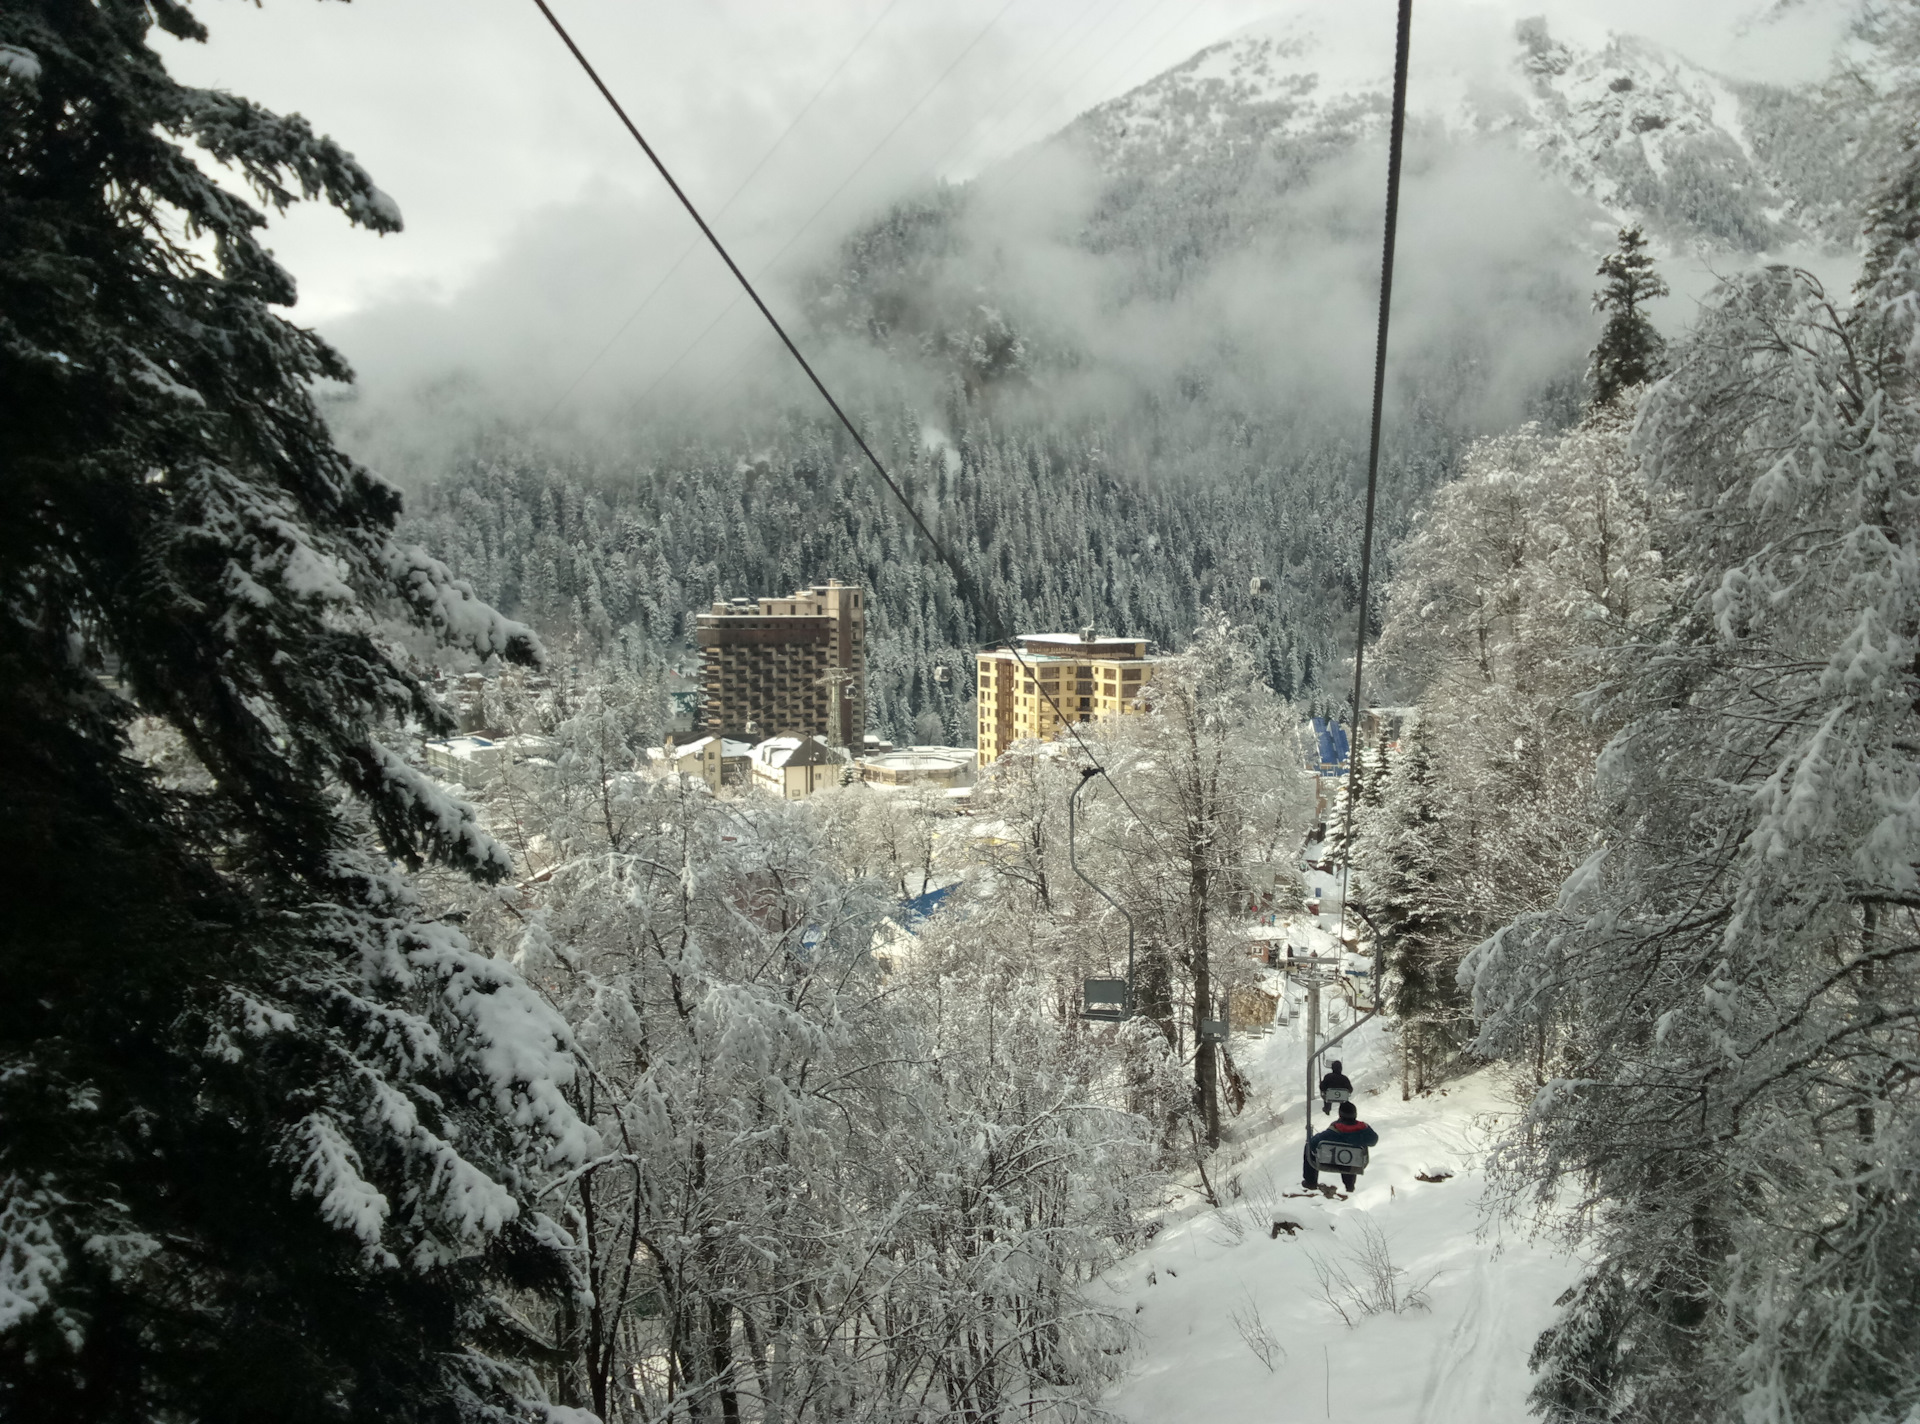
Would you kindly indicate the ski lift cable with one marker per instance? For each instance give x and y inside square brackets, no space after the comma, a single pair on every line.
[1394,146]
[725,208]
[716,390]
[1040,119]
[722,385]
[813,217]
[728,377]
[998,107]
[964,584]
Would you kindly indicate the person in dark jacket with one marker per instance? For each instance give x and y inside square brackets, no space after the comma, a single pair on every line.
[1349,1130]
[1333,1078]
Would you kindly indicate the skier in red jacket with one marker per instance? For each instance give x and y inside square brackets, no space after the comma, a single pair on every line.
[1349,1130]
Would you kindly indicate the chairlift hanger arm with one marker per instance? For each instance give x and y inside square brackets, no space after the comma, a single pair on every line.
[1087,773]
[1370,1013]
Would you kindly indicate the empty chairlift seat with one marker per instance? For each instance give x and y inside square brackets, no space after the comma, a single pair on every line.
[1108,1000]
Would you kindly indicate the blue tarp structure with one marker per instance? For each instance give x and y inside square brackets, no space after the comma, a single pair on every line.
[1333,742]
[921,906]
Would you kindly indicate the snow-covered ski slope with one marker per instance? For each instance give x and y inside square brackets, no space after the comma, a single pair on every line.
[1461,1360]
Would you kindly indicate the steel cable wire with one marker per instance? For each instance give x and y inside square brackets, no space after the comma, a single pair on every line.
[725,208]
[1394,146]
[968,588]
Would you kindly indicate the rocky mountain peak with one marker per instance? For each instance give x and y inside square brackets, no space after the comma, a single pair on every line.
[1704,160]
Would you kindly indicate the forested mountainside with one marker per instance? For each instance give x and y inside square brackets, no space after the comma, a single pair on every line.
[1126,372]
[1066,531]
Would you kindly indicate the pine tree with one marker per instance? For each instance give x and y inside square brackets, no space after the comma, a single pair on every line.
[1405,861]
[1630,351]
[264,1123]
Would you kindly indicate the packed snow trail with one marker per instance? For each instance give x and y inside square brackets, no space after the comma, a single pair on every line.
[1460,1360]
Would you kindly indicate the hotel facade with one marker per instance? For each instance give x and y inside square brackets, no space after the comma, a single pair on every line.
[1069,678]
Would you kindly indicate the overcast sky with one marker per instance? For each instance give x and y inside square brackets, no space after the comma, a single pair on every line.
[476,121]
[546,273]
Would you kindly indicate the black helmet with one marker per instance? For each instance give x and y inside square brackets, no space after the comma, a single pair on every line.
[1348,1112]
[1335,1065]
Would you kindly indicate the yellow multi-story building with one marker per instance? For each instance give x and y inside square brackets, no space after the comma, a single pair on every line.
[1069,678]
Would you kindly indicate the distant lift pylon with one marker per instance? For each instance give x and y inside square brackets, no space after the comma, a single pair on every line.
[1102,1000]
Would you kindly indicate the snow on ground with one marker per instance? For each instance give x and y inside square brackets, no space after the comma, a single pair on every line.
[1462,1360]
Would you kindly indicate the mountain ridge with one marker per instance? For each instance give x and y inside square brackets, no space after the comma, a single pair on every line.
[1638,129]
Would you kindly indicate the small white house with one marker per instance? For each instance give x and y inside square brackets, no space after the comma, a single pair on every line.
[474,759]
[469,758]
[793,767]
[714,760]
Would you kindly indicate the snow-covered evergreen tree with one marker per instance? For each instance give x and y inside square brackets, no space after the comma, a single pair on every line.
[266,1123]
[1518,578]
[1404,861]
[1631,351]
[1728,984]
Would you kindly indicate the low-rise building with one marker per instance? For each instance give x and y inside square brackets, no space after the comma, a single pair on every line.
[944,767]
[465,756]
[474,759]
[1068,678]
[794,767]
[718,761]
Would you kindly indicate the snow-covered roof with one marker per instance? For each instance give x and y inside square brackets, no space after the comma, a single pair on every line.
[728,747]
[468,748]
[777,752]
[921,759]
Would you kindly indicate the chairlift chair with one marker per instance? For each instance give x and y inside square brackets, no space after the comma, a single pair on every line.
[1213,1030]
[1106,1000]
[1102,1000]
[1336,1095]
[1339,1157]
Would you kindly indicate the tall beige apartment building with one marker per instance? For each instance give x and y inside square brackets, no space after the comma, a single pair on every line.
[1084,675]
[794,666]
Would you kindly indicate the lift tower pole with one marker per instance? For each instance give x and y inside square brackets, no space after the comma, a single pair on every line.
[1313,1041]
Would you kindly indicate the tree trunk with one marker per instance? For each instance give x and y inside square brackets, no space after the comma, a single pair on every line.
[1206,1076]
[1407,1033]
[720,1355]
